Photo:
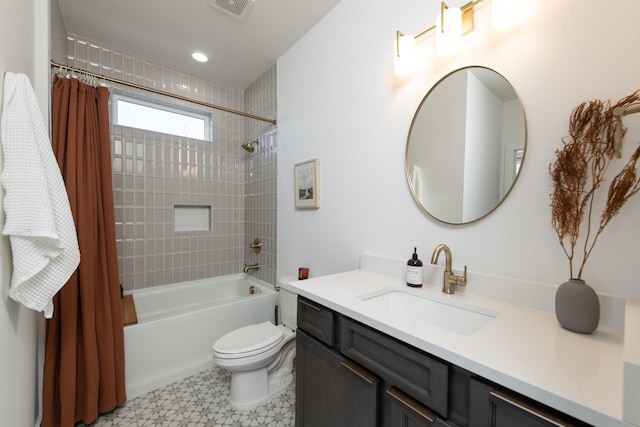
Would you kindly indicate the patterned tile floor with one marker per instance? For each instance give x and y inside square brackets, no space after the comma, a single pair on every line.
[200,401]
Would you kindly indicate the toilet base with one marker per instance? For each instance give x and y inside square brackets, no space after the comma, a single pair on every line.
[250,389]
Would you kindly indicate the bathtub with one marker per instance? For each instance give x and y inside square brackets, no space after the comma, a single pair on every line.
[177,325]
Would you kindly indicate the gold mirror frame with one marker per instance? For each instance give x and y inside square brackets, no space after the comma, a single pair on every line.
[423,144]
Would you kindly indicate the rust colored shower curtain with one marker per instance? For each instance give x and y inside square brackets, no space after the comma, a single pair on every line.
[84,353]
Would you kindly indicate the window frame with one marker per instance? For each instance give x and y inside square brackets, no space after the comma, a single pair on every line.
[206,116]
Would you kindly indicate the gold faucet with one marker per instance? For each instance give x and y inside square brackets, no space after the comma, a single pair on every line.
[450,279]
[256,245]
[248,267]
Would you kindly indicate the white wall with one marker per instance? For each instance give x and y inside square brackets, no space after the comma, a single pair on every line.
[24,27]
[339,101]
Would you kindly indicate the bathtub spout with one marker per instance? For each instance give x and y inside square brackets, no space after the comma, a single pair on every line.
[248,267]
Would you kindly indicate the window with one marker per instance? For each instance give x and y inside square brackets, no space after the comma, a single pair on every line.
[137,113]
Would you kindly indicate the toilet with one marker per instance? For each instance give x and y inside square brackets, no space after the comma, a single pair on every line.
[260,356]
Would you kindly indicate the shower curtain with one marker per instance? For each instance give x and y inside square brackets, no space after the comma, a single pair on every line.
[84,352]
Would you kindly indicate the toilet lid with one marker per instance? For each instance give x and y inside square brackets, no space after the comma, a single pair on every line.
[249,339]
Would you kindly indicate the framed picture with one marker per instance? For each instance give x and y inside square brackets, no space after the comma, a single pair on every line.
[306,183]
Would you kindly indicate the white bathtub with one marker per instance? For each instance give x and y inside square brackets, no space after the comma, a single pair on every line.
[177,325]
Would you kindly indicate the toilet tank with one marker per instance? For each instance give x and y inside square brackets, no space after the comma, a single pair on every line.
[288,303]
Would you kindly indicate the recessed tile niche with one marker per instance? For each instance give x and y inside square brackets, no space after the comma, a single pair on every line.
[191,218]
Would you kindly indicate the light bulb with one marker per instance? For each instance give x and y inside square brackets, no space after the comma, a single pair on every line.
[199,56]
[449,41]
[404,61]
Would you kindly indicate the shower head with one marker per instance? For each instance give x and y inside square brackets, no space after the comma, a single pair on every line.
[249,146]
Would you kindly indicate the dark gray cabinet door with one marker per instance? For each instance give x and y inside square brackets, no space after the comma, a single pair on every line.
[332,391]
[402,410]
[492,407]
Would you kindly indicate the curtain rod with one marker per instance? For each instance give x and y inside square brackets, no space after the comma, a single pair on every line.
[160,92]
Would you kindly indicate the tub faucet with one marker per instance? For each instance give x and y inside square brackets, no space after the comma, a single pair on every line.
[450,279]
[248,267]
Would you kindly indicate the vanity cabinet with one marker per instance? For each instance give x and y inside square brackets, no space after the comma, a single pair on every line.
[349,374]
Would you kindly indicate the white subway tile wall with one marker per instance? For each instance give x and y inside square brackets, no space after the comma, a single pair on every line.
[153,172]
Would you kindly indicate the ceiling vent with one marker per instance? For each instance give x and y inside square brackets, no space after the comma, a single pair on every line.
[236,8]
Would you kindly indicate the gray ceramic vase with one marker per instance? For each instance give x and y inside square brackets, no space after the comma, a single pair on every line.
[577,307]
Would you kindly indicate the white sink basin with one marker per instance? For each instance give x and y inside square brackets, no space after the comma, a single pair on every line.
[445,312]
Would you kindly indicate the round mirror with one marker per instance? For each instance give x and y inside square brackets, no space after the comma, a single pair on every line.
[466,145]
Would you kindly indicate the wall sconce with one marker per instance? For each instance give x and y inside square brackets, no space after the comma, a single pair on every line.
[448,30]
[405,54]
[451,25]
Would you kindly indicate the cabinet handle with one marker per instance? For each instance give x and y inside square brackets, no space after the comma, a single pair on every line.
[412,404]
[528,408]
[308,304]
[359,371]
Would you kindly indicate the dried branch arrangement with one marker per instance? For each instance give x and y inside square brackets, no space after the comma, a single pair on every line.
[580,169]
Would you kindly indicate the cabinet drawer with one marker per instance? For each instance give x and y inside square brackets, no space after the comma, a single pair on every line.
[417,374]
[316,320]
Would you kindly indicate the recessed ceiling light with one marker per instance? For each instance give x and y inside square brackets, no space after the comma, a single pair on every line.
[200,57]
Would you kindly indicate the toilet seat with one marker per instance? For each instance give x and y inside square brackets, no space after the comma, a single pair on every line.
[248,341]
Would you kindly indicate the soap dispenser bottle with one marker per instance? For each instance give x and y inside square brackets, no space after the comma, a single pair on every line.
[414,270]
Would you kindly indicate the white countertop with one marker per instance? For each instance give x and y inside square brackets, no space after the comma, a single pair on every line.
[522,349]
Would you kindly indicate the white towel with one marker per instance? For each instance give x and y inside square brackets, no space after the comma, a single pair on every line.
[38,216]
